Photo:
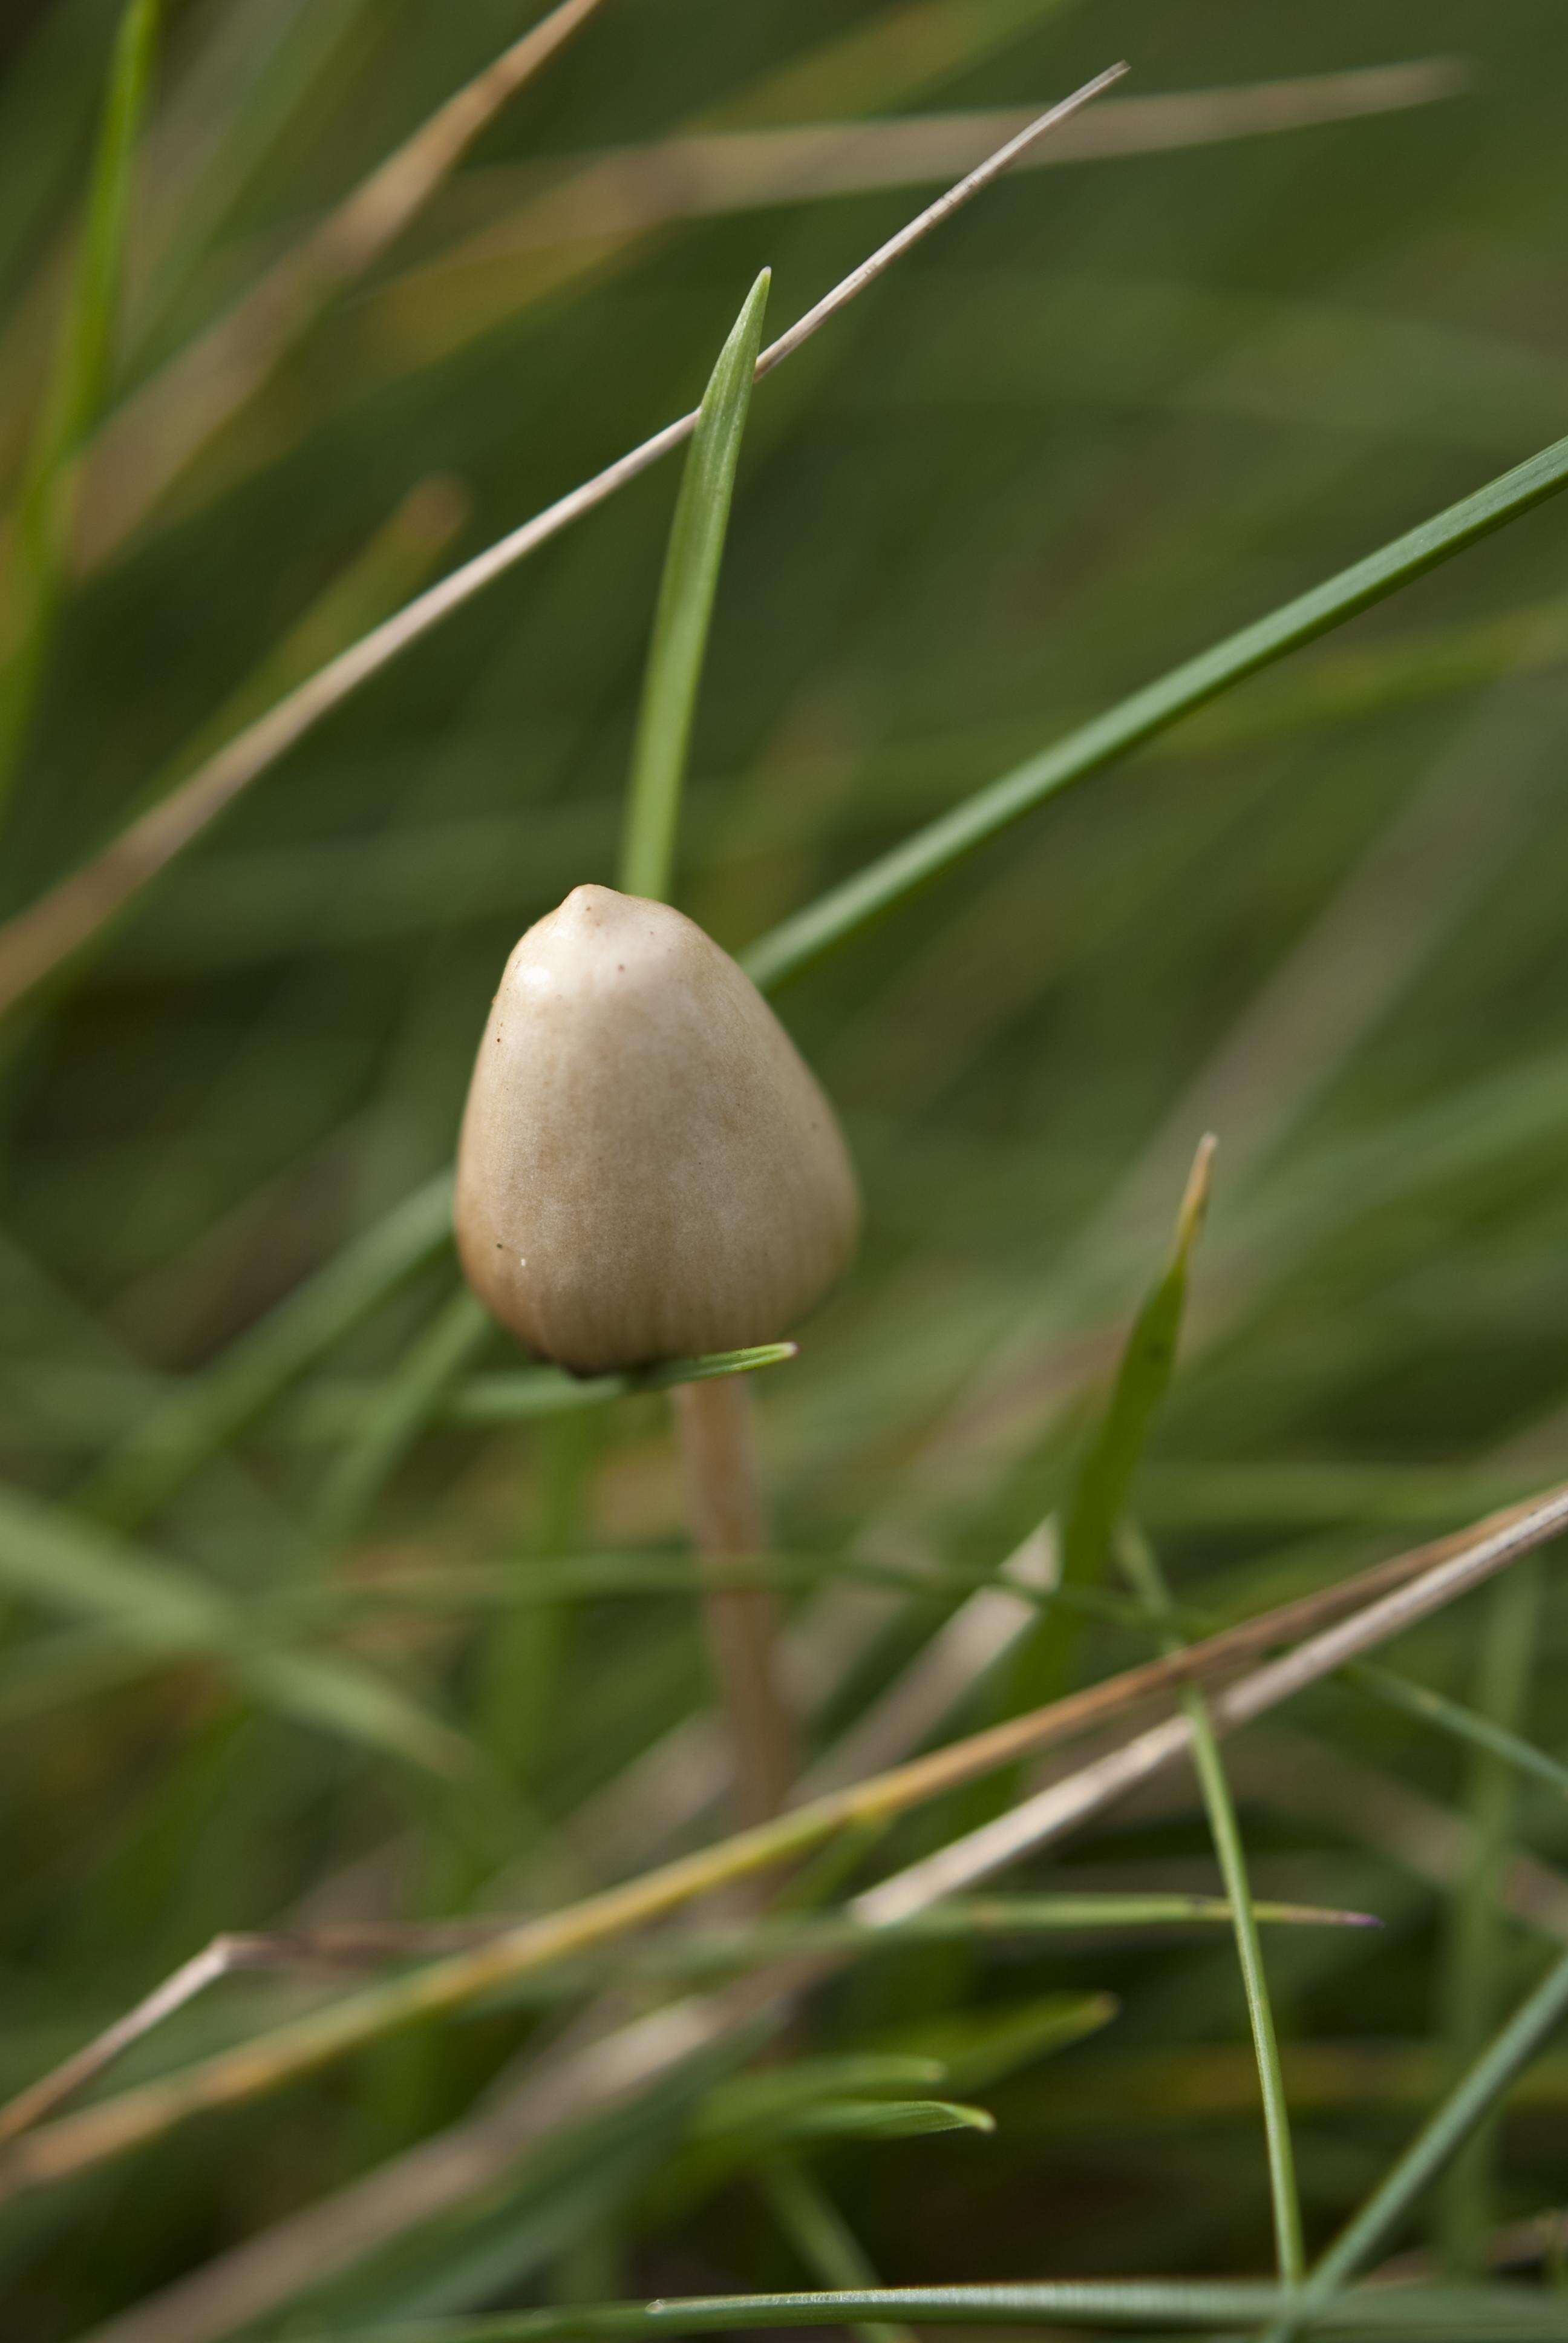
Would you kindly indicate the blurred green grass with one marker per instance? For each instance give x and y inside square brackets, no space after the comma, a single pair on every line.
[1116,410]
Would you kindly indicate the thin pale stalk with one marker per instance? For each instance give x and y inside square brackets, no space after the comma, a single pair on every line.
[718,1450]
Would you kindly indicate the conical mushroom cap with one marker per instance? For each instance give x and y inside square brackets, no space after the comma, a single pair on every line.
[648,1169]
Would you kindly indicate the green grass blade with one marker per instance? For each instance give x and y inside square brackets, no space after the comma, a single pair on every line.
[1475,2314]
[685,608]
[844,908]
[75,393]
[1142,1379]
[1105,1477]
[546,1391]
[1472,1979]
[981,2048]
[770,2093]
[1099,1503]
[176,1438]
[1289,2246]
[851,2119]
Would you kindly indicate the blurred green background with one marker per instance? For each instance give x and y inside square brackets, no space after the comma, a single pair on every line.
[1118,408]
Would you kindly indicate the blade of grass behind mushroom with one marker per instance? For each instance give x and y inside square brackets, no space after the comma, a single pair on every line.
[684,612]
[922,858]
[1103,1485]
[715,1428]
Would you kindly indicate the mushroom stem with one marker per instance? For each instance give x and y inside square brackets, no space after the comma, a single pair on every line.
[724,1500]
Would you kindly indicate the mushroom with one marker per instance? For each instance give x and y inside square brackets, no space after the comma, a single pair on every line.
[648,1168]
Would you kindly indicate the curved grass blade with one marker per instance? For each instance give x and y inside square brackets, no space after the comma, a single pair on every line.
[1143,1568]
[844,910]
[547,1390]
[828,2119]
[46,503]
[983,2050]
[685,609]
[1099,1503]
[52,929]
